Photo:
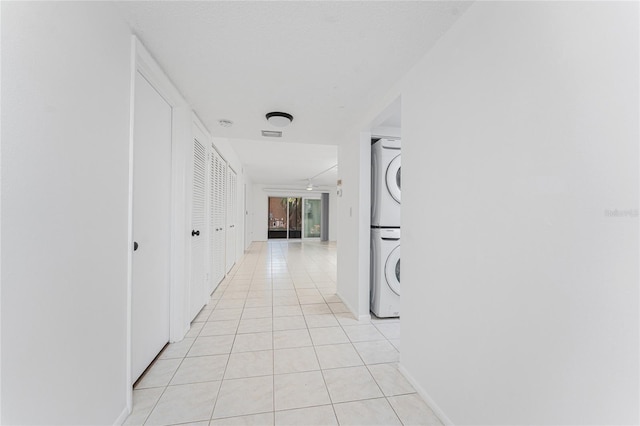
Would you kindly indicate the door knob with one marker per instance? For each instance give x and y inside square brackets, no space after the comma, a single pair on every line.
[135,246]
[194,233]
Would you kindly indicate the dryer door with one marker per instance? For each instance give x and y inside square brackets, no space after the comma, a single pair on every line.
[392,270]
[393,178]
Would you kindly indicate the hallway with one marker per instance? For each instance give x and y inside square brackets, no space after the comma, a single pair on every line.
[276,346]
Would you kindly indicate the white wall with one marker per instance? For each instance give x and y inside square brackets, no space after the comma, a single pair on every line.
[65,165]
[520,296]
[260,209]
[354,221]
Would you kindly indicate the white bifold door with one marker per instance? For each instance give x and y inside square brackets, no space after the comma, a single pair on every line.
[232,202]
[197,234]
[217,203]
[150,284]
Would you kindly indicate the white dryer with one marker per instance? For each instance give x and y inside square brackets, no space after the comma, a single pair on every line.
[385,272]
[385,183]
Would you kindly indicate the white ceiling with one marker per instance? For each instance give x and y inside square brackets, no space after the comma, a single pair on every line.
[323,62]
[289,164]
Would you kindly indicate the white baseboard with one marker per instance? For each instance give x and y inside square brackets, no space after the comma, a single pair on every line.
[365,317]
[430,402]
[123,416]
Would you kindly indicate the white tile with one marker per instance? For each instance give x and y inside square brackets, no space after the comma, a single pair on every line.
[249,364]
[239,397]
[389,330]
[287,311]
[257,302]
[289,323]
[351,384]
[322,320]
[226,314]
[211,345]
[336,356]
[390,379]
[265,419]
[303,292]
[200,369]
[346,319]
[255,325]
[219,328]
[264,312]
[194,330]
[143,402]
[316,308]
[202,315]
[370,412]
[338,308]
[313,416]
[363,333]
[291,339]
[230,303]
[328,336]
[178,349]
[413,411]
[285,301]
[299,390]
[185,403]
[310,300]
[376,352]
[253,342]
[237,294]
[395,343]
[159,374]
[294,360]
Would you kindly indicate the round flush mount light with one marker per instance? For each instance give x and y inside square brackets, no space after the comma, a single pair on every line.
[225,123]
[279,119]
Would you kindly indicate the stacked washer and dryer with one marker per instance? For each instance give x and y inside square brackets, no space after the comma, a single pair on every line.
[385,227]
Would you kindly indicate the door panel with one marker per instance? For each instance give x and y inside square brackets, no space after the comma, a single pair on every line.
[198,231]
[216,220]
[312,216]
[151,225]
[232,195]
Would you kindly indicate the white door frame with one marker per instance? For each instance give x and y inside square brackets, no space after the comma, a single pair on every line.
[143,62]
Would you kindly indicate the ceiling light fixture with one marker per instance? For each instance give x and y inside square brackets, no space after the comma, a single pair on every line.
[309,186]
[279,119]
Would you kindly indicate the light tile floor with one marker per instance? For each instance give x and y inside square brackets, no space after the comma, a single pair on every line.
[276,345]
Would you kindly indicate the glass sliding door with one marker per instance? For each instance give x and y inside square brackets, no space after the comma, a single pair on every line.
[285,218]
[312,212]
[295,217]
[278,217]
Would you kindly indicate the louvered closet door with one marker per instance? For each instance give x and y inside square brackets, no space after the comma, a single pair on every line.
[231,217]
[221,192]
[198,229]
[216,226]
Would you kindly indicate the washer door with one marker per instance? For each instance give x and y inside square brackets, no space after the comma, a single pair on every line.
[392,270]
[393,178]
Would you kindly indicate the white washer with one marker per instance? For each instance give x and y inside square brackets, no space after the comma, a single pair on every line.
[385,183]
[385,272]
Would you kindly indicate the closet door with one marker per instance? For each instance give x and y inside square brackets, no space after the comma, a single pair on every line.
[221,193]
[216,225]
[150,285]
[232,197]
[198,229]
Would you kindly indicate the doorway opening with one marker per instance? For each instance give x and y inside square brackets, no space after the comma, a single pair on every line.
[294,218]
